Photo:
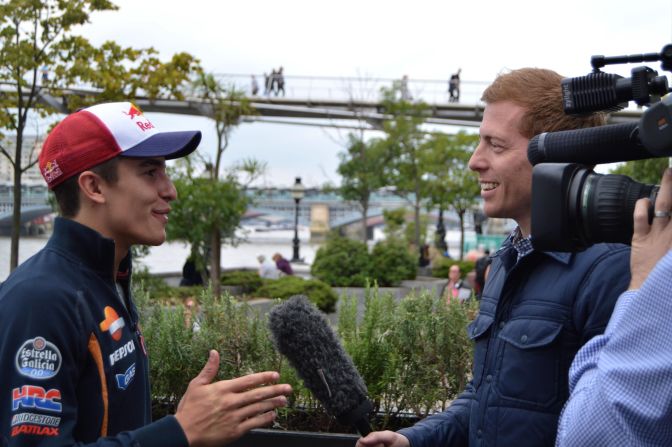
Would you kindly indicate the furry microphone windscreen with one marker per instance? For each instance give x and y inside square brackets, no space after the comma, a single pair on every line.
[302,334]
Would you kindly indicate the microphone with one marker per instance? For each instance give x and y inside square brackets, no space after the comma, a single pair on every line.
[302,334]
[590,146]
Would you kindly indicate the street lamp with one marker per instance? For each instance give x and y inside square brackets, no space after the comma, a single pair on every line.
[297,195]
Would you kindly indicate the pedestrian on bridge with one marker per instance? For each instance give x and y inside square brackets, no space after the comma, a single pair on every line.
[280,82]
[254,86]
[454,86]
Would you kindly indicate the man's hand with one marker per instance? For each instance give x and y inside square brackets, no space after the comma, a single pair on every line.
[651,242]
[383,439]
[214,414]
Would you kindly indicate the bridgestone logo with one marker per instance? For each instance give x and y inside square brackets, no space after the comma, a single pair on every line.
[32,418]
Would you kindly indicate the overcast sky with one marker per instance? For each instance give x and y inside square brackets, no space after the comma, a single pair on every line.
[364,38]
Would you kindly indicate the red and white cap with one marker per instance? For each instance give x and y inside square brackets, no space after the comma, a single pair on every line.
[91,136]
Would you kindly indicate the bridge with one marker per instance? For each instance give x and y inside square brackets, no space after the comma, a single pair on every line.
[324,101]
[28,214]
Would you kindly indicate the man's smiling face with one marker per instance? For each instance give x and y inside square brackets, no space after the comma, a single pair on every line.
[501,162]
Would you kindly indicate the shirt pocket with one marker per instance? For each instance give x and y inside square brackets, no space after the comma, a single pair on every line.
[478,331]
[530,362]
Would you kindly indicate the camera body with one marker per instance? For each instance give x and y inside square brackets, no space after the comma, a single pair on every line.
[574,207]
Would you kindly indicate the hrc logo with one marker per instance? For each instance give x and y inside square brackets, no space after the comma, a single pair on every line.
[30,396]
[112,323]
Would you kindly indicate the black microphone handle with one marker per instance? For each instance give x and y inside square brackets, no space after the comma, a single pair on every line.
[594,145]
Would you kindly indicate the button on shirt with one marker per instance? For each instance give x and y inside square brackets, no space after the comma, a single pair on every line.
[621,381]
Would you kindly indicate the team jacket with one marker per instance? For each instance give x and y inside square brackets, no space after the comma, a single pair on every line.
[534,316]
[73,365]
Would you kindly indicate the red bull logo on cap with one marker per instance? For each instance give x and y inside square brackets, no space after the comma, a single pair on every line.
[134,112]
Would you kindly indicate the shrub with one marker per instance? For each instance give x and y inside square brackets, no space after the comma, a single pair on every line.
[440,267]
[249,280]
[342,262]
[391,263]
[414,355]
[317,291]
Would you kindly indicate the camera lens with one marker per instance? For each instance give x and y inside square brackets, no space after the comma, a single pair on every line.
[605,206]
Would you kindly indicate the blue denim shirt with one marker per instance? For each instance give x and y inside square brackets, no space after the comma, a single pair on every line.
[535,314]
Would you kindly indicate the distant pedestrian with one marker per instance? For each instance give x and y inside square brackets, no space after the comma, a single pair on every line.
[274,82]
[267,84]
[405,93]
[482,266]
[267,270]
[254,86]
[44,70]
[454,86]
[456,289]
[282,264]
[280,82]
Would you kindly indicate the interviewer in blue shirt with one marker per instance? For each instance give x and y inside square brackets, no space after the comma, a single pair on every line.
[621,381]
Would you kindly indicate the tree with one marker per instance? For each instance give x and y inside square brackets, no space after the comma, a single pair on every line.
[452,185]
[402,165]
[39,55]
[227,106]
[205,206]
[360,173]
[644,171]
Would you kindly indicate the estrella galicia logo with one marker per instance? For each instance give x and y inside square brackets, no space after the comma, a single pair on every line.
[38,359]
[125,379]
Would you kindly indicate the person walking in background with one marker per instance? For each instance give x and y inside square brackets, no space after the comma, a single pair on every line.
[481,268]
[254,86]
[267,84]
[77,371]
[403,88]
[280,82]
[454,86]
[267,270]
[456,289]
[273,82]
[44,70]
[282,264]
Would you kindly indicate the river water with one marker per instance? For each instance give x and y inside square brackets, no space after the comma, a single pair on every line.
[169,257]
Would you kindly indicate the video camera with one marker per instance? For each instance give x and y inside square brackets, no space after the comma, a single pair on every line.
[574,207]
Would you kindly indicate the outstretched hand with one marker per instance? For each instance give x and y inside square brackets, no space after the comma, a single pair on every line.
[650,242]
[214,414]
[383,439]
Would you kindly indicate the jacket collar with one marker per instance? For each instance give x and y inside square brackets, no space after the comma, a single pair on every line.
[87,246]
[507,247]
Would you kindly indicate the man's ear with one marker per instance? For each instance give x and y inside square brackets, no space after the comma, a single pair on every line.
[90,186]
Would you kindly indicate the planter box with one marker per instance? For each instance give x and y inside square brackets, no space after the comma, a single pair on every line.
[279,438]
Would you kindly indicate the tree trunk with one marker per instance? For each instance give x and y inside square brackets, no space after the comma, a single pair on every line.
[16,212]
[365,228]
[440,237]
[461,215]
[417,227]
[215,262]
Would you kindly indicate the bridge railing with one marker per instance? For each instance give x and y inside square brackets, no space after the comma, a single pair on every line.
[341,88]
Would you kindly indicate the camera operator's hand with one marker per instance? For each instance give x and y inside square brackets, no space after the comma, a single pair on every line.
[651,242]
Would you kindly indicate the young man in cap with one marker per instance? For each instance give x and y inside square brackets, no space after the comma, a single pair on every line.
[73,364]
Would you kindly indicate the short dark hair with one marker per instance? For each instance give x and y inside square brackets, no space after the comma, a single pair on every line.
[67,193]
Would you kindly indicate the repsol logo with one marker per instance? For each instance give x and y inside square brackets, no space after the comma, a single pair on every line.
[122,352]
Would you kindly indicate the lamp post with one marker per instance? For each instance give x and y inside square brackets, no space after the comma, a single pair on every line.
[297,195]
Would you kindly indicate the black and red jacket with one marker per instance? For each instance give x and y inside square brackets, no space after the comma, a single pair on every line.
[73,366]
